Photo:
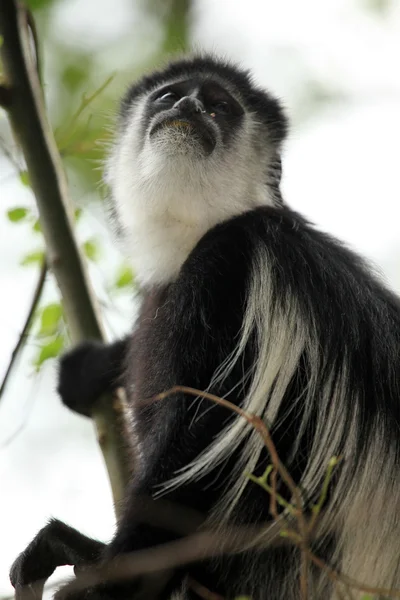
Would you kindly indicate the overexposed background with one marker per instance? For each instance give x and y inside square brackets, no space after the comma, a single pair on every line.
[334,64]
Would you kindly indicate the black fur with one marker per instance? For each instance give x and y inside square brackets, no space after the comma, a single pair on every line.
[95,369]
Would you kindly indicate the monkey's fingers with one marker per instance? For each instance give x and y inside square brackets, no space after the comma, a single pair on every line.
[54,546]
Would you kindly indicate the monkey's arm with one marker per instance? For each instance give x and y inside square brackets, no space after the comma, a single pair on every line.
[54,546]
[89,370]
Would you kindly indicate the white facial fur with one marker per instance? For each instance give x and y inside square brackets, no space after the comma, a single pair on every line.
[168,193]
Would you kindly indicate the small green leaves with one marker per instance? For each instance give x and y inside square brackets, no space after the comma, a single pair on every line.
[51,333]
[50,319]
[23,214]
[124,277]
[50,350]
[24,178]
[333,462]
[33,258]
[36,227]
[91,250]
[18,214]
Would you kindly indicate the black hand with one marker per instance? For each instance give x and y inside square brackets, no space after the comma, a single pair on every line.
[88,371]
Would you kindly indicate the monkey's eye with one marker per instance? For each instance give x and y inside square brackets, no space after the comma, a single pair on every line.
[222,108]
[168,96]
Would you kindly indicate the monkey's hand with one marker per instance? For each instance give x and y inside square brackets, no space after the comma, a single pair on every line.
[33,566]
[55,545]
[88,371]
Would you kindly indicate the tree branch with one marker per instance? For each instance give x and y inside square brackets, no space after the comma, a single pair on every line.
[29,122]
[26,327]
[5,96]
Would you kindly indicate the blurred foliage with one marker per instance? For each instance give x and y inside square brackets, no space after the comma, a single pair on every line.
[380,7]
[175,17]
[81,95]
[124,277]
[51,334]
[78,91]
[17,214]
[38,4]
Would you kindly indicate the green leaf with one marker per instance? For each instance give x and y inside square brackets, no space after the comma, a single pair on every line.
[50,319]
[15,215]
[124,277]
[37,228]
[380,7]
[77,73]
[33,258]
[37,4]
[50,350]
[91,250]
[24,178]
[77,214]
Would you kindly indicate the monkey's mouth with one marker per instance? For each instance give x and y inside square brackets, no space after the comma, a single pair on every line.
[188,126]
[178,123]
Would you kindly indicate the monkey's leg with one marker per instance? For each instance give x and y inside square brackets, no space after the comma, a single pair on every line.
[54,546]
[88,371]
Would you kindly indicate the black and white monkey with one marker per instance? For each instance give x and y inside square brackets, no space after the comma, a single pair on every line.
[241,297]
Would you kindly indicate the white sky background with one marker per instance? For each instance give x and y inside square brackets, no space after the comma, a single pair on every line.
[341,168]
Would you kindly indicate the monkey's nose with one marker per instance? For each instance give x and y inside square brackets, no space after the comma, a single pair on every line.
[190,104]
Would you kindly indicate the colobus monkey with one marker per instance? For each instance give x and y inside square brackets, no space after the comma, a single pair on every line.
[244,298]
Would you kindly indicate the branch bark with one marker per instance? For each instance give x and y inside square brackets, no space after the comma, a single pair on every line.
[28,119]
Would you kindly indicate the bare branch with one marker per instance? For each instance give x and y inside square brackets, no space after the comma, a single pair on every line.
[26,327]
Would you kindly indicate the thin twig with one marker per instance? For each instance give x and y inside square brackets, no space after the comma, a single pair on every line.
[202,591]
[338,577]
[304,565]
[26,327]
[273,508]
[256,423]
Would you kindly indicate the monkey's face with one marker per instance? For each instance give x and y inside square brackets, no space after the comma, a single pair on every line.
[191,115]
[196,144]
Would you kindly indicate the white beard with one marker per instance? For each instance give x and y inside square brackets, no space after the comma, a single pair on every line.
[168,193]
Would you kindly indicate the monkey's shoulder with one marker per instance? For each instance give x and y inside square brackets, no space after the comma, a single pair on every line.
[298,256]
[279,231]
